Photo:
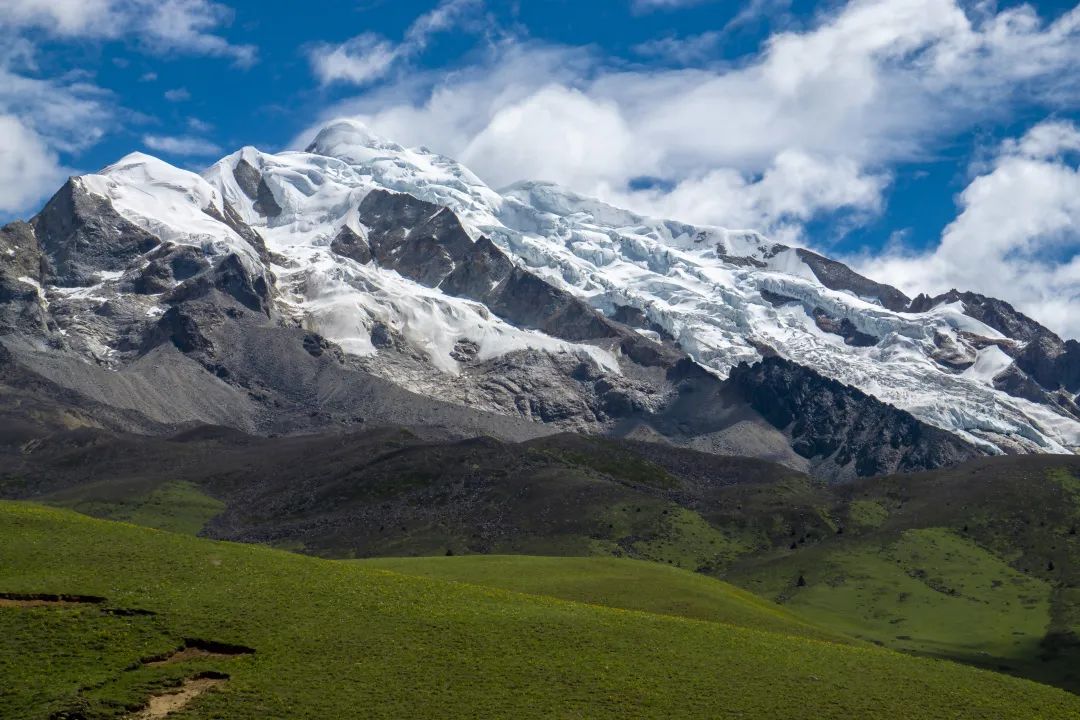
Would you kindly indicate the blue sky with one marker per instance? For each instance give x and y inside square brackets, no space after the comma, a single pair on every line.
[932,143]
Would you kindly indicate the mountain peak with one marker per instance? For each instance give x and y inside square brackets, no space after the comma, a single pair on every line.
[351,140]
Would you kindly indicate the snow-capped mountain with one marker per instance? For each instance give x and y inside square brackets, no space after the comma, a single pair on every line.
[721,295]
[534,308]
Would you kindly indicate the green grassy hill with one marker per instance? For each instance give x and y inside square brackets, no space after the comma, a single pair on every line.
[617,583]
[341,639]
[980,563]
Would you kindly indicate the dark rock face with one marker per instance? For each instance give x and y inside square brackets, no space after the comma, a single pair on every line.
[1044,368]
[427,243]
[231,277]
[465,351]
[1019,384]
[189,327]
[636,318]
[418,239]
[233,220]
[20,254]
[828,420]
[82,235]
[844,328]
[481,267]
[20,257]
[526,299]
[21,308]
[248,178]
[383,337]
[1052,363]
[167,265]
[741,261]
[265,202]
[998,314]
[317,346]
[950,355]
[349,244]
[252,184]
[837,276]
[778,300]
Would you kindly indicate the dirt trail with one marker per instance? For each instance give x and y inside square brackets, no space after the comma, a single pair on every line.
[162,705]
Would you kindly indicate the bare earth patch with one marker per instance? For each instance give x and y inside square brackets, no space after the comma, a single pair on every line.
[160,706]
[196,649]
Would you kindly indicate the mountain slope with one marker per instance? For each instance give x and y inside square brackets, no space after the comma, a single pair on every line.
[280,635]
[361,283]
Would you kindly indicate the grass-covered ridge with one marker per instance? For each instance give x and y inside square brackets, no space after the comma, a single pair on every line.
[339,639]
[618,583]
[176,506]
[930,591]
[979,563]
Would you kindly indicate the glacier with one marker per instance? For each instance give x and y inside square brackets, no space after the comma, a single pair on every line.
[723,296]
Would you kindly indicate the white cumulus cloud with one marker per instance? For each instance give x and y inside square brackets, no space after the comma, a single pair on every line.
[29,168]
[1017,236]
[41,117]
[369,57]
[871,84]
[190,26]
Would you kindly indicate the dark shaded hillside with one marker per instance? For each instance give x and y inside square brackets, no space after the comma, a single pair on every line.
[838,426]
[391,491]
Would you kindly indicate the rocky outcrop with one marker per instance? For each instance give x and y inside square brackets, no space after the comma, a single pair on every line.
[837,276]
[232,219]
[951,354]
[844,328]
[1046,368]
[840,427]
[166,266]
[82,235]
[247,178]
[637,318]
[348,244]
[230,275]
[427,243]
[1051,362]
[318,346]
[998,314]
[21,269]
[420,240]
[252,184]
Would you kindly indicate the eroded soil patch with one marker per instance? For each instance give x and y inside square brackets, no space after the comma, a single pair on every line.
[162,705]
[46,599]
[195,649]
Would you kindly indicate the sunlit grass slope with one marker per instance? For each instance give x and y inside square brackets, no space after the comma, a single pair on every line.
[615,582]
[340,639]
